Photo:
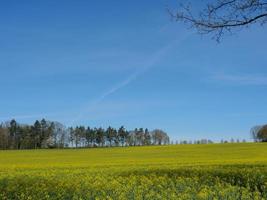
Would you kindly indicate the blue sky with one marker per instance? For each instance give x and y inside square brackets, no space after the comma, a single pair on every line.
[126,63]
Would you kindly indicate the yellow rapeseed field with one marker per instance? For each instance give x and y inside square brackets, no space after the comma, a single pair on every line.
[212,171]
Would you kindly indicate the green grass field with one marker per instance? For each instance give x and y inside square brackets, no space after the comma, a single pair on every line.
[214,171]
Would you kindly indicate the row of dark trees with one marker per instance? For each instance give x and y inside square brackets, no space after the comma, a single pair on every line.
[47,134]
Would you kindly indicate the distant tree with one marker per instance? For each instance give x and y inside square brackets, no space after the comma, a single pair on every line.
[36,131]
[72,136]
[258,133]
[51,132]
[4,138]
[147,137]
[60,135]
[93,136]
[136,137]
[88,136]
[185,142]
[122,135]
[222,16]
[116,137]
[46,133]
[14,134]
[160,137]
[139,136]
[77,136]
[82,137]
[204,141]
[131,138]
[111,135]
[100,136]
[26,139]
[210,141]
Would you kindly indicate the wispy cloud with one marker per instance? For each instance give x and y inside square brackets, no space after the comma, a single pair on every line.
[248,114]
[241,79]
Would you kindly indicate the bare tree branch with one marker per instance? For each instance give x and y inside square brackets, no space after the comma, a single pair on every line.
[223,16]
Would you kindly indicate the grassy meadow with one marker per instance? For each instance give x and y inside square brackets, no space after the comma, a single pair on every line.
[212,171]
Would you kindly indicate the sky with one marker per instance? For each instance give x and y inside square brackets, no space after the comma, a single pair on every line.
[101,63]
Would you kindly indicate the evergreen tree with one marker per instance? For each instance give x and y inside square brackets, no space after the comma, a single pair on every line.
[37,134]
[147,137]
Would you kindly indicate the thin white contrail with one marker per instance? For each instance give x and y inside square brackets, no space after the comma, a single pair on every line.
[91,105]
[146,66]
[133,76]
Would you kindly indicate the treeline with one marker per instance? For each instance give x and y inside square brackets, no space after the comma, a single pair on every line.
[207,141]
[47,134]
